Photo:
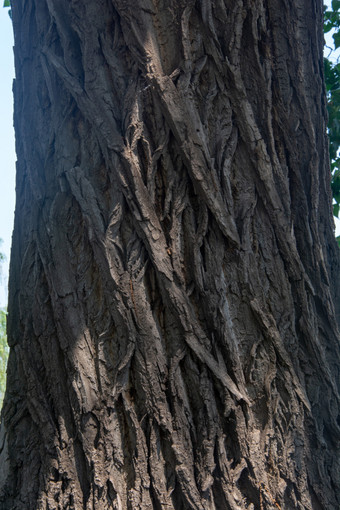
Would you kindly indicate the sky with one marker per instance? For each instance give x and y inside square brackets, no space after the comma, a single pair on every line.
[7,147]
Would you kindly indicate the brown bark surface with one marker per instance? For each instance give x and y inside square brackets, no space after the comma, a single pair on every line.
[174,271]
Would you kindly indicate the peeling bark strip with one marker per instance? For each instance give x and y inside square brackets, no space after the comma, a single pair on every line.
[174,272]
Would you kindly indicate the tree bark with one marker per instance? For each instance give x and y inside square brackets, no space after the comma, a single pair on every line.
[174,272]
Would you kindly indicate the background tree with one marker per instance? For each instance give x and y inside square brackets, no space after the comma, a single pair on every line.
[332,79]
[174,271]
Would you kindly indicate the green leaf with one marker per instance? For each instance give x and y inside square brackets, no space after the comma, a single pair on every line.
[7,3]
[332,81]
[336,39]
[335,5]
[338,239]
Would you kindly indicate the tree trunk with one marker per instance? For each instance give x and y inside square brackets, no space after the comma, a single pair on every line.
[173,334]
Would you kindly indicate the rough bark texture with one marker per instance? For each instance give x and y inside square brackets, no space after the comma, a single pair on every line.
[174,271]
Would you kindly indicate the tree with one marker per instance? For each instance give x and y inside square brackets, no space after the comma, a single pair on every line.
[332,79]
[174,281]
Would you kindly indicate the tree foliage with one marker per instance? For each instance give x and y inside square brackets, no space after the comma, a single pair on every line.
[332,79]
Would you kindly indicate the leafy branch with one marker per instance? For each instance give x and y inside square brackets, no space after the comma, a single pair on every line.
[332,79]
